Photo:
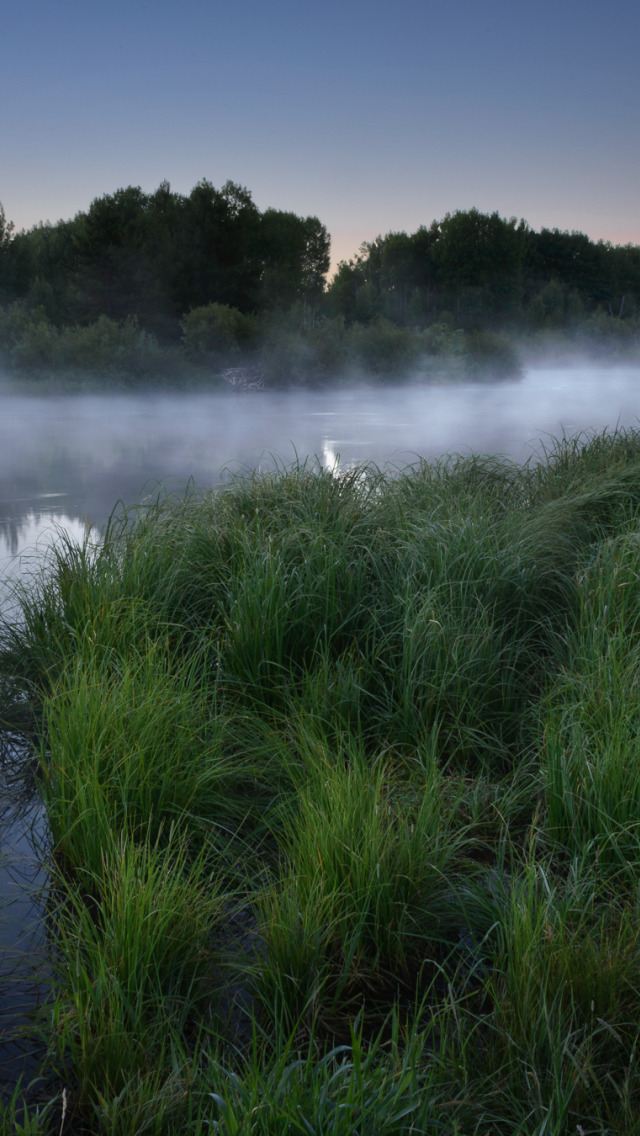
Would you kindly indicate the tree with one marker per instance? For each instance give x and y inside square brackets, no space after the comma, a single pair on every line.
[220,262]
[113,275]
[478,258]
[295,259]
[315,259]
[6,228]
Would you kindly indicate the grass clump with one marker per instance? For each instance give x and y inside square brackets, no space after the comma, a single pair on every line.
[366,896]
[591,720]
[341,783]
[565,987]
[139,748]
[139,937]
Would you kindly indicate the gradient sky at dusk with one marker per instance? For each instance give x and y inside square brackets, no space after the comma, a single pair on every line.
[373,116]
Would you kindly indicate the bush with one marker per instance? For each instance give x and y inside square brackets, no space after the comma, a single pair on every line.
[491,356]
[217,329]
[382,348]
[442,339]
[102,346]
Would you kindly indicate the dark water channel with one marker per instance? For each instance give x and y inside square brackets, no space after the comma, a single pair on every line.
[23,947]
[66,461]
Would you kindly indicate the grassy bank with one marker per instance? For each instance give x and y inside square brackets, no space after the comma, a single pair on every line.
[342,783]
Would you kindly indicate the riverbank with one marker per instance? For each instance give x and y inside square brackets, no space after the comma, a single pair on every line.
[340,776]
[111,358]
[276,353]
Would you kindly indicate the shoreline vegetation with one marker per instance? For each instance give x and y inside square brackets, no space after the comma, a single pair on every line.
[108,355]
[341,779]
[155,289]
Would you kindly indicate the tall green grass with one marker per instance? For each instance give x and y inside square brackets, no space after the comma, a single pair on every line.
[142,747]
[341,784]
[592,715]
[370,890]
[138,936]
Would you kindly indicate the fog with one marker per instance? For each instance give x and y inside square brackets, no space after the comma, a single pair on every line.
[68,460]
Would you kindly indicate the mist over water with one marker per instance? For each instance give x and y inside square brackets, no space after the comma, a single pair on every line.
[66,461]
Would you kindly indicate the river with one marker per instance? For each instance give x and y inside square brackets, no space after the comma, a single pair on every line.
[67,460]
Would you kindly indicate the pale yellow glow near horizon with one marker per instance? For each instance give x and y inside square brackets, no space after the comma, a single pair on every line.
[345,244]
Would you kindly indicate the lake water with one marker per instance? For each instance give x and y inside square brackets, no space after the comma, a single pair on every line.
[66,461]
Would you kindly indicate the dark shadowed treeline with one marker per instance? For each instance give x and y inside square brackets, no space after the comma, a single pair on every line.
[487,271]
[146,285]
[157,256]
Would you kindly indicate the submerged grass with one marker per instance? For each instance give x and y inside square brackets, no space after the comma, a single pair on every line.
[341,779]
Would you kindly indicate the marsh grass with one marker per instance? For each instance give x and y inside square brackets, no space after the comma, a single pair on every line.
[382,1085]
[566,986]
[141,747]
[138,937]
[341,779]
[19,1116]
[591,729]
[368,898]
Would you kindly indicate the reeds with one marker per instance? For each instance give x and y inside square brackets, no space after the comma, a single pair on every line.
[341,780]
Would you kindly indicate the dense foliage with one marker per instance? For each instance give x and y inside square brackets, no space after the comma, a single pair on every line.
[151,285]
[488,271]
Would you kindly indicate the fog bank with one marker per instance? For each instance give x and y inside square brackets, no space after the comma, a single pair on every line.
[69,459]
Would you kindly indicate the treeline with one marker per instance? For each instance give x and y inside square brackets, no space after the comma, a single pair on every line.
[145,285]
[157,256]
[486,271]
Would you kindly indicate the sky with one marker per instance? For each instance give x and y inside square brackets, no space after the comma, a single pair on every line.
[374,117]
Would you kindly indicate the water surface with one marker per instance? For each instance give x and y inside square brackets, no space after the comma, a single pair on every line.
[67,460]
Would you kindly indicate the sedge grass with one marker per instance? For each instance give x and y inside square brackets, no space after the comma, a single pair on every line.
[141,746]
[134,963]
[377,1086]
[20,1116]
[390,717]
[366,896]
[566,988]
[592,720]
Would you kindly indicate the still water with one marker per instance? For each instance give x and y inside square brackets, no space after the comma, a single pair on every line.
[65,462]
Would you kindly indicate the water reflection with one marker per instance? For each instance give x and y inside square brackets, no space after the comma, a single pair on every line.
[330,459]
[32,533]
[25,540]
[66,461]
[23,942]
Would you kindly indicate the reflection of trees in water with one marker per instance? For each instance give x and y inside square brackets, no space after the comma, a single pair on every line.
[79,499]
[24,533]
[19,767]
[14,525]
[59,482]
[60,491]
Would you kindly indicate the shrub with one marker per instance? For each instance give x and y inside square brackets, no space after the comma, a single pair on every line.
[217,329]
[104,346]
[382,348]
[491,356]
